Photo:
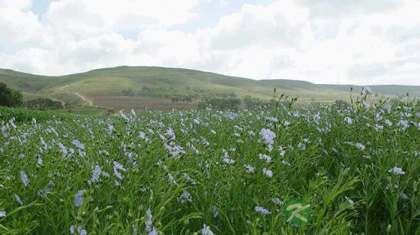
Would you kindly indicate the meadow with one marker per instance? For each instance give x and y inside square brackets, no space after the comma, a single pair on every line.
[212,172]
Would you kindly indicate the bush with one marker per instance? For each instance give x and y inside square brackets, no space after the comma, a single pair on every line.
[251,102]
[44,104]
[341,104]
[221,103]
[9,97]
[23,115]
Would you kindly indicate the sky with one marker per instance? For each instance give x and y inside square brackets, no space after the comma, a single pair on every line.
[363,42]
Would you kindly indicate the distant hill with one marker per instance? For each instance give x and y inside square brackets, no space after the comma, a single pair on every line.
[104,87]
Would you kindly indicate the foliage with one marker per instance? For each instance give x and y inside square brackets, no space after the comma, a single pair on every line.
[179,172]
[220,103]
[341,104]
[44,104]
[251,102]
[102,86]
[187,95]
[9,97]
[23,115]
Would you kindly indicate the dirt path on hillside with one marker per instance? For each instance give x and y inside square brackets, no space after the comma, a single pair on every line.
[84,99]
[78,95]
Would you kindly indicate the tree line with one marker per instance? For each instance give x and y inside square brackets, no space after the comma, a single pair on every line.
[178,95]
[14,98]
[10,97]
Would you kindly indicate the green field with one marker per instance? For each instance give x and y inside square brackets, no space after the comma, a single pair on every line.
[212,172]
[103,88]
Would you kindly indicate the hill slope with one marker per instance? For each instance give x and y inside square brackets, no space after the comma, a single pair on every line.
[104,87]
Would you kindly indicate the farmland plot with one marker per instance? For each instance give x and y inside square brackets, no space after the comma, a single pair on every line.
[212,172]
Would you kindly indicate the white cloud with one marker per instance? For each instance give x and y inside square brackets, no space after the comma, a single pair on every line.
[99,51]
[15,4]
[361,42]
[32,60]
[19,27]
[348,8]
[268,26]
[121,14]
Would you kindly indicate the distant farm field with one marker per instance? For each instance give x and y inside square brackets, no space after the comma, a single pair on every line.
[118,101]
[356,167]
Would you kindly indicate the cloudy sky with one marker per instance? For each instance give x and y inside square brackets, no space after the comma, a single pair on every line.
[328,41]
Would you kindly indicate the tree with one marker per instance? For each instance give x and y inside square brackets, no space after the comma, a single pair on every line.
[251,102]
[44,104]
[341,104]
[220,103]
[10,97]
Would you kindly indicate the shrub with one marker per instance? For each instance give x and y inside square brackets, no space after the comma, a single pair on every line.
[9,97]
[44,104]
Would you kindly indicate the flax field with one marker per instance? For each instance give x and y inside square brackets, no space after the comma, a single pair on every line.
[213,172]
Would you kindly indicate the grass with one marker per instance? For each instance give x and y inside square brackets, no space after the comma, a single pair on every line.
[112,80]
[21,115]
[139,102]
[174,172]
[85,111]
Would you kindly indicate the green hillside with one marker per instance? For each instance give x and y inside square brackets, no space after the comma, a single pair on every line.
[104,87]
[26,82]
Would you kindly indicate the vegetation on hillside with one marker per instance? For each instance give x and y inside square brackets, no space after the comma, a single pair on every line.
[188,94]
[43,104]
[172,84]
[220,103]
[251,102]
[21,115]
[9,97]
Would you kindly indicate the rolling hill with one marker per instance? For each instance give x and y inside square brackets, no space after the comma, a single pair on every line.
[104,87]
